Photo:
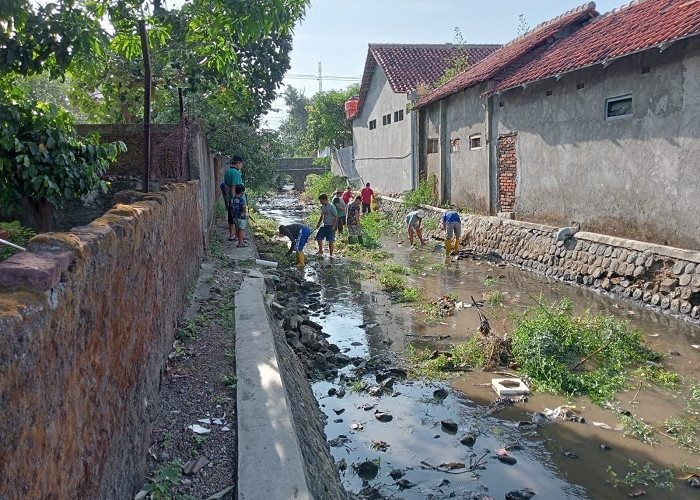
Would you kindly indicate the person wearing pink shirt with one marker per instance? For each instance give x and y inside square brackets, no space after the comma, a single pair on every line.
[367,195]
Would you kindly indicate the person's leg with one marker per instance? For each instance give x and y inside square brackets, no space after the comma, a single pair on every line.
[330,237]
[231,224]
[419,232]
[319,239]
[458,236]
[410,235]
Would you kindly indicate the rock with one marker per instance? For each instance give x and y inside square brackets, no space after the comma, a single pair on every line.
[468,439]
[194,466]
[405,484]
[524,494]
[367,470]
[383,416]
[569,454]
[342,465]
[396,474]
[440,394]
[449,426]
[507,459]
[539,418]
[375,391]
[605,447]
[338,410]
[320,359]
[332,391]
[312,324]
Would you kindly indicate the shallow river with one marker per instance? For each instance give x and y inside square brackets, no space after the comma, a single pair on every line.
[362,321]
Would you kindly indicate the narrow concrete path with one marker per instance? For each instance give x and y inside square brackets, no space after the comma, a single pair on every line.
[270,465]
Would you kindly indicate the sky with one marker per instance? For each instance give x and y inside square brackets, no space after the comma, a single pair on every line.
[336,33]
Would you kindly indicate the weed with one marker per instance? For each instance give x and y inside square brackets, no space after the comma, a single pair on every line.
[435,365]
[490,281]
[398,269]
[220,208]
[453,296]
[656,373]
[438,267]
[229,381]
[165,439]
[228,316]
[643,476]
[200,439]
[694,400]
[324,183]
[14,233]
[424,194]
[188,331]
[495,298]
[429,224]
[409,294]
[586,355]
[168,475]
[230,353]
[636,428]
[683,432]
[216,399]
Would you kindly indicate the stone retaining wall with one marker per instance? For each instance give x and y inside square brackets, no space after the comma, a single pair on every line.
[663,277]
[85,319]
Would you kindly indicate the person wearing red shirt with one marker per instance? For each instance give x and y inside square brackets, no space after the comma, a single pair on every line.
[347,195]
[367,195]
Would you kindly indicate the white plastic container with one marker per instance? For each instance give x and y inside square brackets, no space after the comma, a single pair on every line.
[509,386]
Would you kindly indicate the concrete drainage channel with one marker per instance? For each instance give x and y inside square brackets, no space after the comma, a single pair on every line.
[282,449]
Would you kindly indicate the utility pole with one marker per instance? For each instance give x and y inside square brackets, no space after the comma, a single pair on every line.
[320,81]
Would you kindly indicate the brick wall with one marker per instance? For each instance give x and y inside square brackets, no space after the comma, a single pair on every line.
[86,320]
[507,165]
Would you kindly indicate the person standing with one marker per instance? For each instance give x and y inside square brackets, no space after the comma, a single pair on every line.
[367,195]
[232,178]
[340,207]
[413,221]
[239,212]
[347,195]
[353,220]
[298,235]
[452,225]
[327,223]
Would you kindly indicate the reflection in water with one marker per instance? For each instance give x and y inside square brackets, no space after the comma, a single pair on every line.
[362,322]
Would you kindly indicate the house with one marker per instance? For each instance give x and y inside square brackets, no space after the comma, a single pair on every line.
[383,126]
[588,117]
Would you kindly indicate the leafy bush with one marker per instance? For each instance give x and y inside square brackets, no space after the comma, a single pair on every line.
[325,183]
[424,194]
[585,355]
[14,233]
[322,161]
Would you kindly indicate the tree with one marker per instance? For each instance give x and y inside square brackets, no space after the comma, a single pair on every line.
[458,60]
[327,126]
[293,128]
[43,160]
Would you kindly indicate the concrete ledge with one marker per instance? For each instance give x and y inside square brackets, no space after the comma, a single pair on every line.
[270,464]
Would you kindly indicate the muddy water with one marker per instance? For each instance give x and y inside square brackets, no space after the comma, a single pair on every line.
[363,322]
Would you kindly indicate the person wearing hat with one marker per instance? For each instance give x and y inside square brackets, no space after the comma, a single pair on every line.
[414,220]
[340,207]
[452,225]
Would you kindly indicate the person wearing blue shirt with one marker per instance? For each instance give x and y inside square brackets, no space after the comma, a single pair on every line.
[452,225]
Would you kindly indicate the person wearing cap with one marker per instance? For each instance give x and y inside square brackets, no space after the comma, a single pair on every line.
[340,207]
[414,220]
[452,225]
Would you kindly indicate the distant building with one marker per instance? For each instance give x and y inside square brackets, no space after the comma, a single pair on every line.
[383,126]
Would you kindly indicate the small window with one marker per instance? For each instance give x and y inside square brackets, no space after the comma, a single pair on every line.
[454,145]
[432,146]
[372,124]
[618,107]
[475,141]
[398,115]
[386,119]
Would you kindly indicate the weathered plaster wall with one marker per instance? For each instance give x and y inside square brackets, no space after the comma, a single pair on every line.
[468,169]
[85,317]
[383,155]
[663,277]
[635,177]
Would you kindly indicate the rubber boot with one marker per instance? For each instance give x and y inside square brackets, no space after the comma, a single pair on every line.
[448,247]
[455,247]
[301,260]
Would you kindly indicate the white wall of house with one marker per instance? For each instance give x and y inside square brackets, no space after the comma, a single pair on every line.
[383,156]
[637,176]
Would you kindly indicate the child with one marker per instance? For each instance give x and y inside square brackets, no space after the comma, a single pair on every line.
[340,207]
[353,220]
[327,223]
[414,220]
[238,212]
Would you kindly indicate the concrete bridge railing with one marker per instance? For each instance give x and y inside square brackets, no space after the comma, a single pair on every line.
[298,169]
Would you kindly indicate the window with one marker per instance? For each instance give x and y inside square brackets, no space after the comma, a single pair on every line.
[386,119]
[475,141]
[398,115]
[372,124]
[432,146]
[454,145]
[618,107]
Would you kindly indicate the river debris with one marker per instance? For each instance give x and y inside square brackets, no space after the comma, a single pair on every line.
[449,426]
[484,326]
[524,494]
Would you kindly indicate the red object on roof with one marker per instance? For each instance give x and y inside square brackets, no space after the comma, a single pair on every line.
[512,52]
[408,65]
[638,26]
[350,108]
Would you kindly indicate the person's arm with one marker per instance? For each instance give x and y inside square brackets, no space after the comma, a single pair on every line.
[320,220]
[335,218]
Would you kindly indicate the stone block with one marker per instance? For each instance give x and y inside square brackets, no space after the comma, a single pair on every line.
[647,297]
[695,313]
[686,307]
[639,271]
[35,270]
[679,267]
[668,284]
[665,303]
[675,305]
[684,279]
[655,299]
[637,294]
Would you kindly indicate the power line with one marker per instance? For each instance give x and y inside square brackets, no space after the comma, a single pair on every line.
[315,77]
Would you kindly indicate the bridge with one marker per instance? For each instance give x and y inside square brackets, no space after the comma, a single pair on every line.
[297,169]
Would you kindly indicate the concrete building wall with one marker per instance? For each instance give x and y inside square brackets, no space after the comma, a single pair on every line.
[467,168]
[383,155]
[631,177]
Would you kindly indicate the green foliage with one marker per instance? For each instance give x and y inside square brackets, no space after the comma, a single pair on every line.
[15,233]
[587,355]
[322,161]
[495,298]
[42,158]
[643,476]
[683,431]
[433,365]
[657,374]
[327,126]
[160,485]
[490,281]
[458,61]
[229,381]
[694,400]
[326,183]
[424,194]
[638,429]
[292,130]
[410,294]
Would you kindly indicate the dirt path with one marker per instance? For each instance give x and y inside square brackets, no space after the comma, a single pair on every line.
[199,388]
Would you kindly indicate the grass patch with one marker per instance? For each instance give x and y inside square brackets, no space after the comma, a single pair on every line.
[587,355]
[229,381]
[324,183]
[643,476]
[437,365]
[424,194]
[495,298]
[410,294]
[490,281]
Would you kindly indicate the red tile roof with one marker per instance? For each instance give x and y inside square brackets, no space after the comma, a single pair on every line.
[638,26]
[406,66]
[512,53]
